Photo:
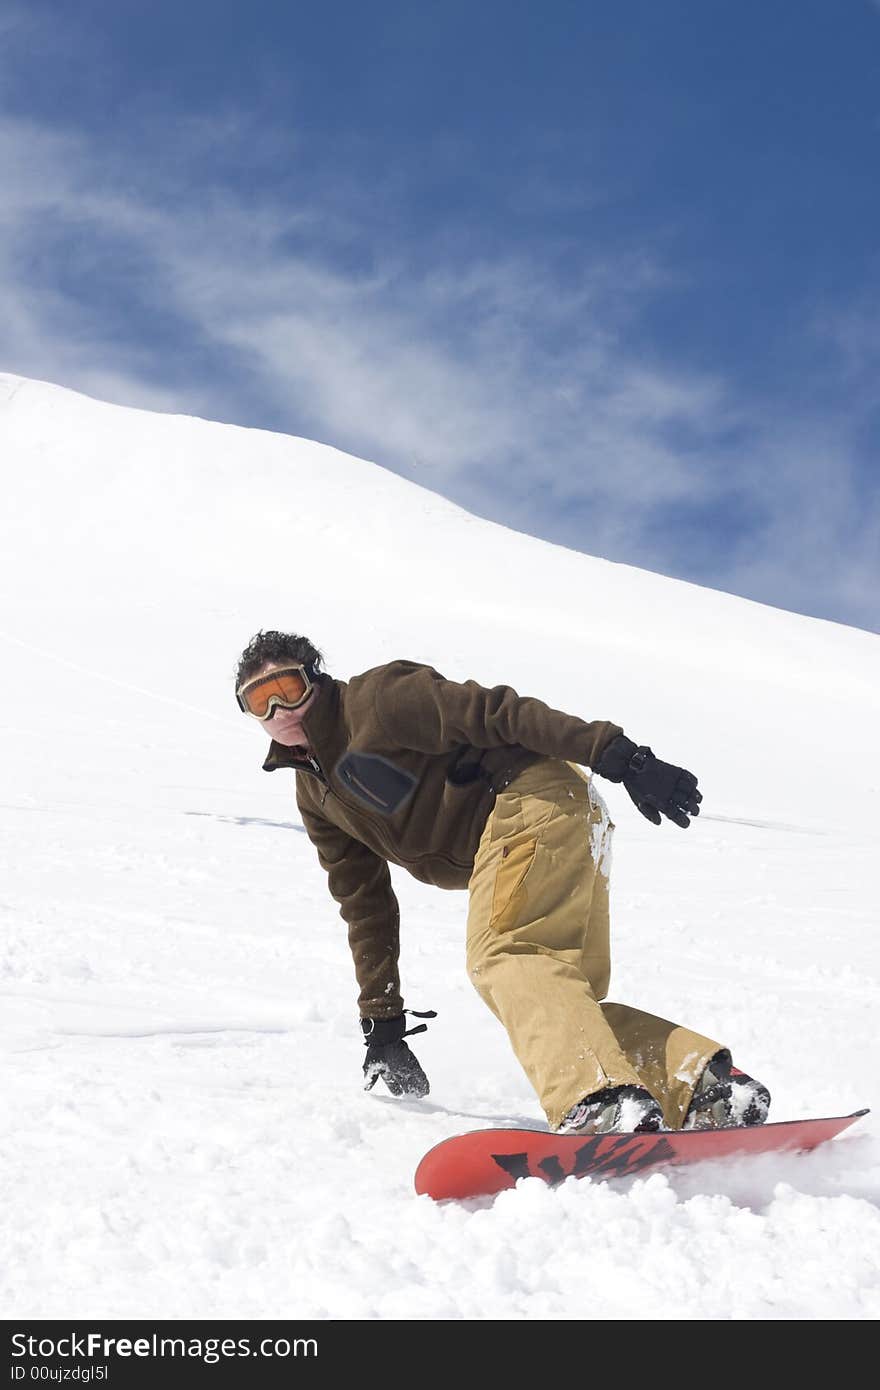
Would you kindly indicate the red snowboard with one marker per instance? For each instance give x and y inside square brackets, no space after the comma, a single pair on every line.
[490,1160]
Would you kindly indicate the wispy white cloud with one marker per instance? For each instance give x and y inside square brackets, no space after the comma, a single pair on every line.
[369,358]
[494,382]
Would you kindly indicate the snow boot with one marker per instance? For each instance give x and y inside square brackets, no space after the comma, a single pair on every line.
[616,1110]
[725,1097]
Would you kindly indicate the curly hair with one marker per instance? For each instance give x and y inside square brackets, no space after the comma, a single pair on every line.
[276,646]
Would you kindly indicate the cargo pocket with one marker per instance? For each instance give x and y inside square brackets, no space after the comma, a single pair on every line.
[513,866]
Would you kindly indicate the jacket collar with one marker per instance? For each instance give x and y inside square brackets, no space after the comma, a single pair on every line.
[319,725]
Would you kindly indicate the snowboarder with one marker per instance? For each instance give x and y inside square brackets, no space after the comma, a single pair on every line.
[477,788]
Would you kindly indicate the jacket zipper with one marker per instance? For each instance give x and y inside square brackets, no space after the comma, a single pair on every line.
[367,791]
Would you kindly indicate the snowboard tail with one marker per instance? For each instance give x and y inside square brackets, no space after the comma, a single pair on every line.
[487,1161]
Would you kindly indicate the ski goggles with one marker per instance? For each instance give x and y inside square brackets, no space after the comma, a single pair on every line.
[289,687]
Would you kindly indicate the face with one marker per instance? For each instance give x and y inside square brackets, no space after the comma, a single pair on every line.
[285,725]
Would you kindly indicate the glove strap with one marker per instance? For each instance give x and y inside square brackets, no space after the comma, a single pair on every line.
[639,759]
[421,1027]
[388,1030]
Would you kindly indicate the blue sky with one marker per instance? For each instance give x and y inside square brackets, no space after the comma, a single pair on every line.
[609,274]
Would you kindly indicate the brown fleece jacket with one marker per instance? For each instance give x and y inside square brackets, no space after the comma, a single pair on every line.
[404,766]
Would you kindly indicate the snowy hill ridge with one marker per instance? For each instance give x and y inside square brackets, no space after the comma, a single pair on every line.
[177,1010]
[105,496]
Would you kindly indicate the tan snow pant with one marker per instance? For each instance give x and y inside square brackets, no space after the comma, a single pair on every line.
[538,950]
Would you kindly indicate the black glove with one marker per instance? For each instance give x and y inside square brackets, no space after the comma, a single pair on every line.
[389,1056]
[655,787]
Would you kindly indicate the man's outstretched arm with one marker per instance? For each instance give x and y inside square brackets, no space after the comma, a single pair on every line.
[419,708]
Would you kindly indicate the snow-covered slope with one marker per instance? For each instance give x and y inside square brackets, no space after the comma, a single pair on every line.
[177,1007]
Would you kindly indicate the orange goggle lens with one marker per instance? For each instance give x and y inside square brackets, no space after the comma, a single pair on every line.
[289,688]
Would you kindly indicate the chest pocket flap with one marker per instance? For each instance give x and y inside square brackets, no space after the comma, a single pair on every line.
[375,781]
